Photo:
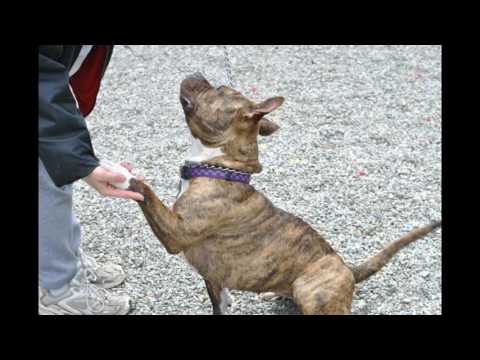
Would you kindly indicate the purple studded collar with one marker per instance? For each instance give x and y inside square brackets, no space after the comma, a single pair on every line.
[193,170]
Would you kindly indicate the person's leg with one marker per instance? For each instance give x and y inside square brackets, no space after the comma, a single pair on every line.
[64,287]
[59,233]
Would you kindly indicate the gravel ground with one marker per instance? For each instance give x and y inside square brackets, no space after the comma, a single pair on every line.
[358,156]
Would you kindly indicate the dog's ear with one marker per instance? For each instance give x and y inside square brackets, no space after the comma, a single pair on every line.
[265,107]
[267,127]
[269,105]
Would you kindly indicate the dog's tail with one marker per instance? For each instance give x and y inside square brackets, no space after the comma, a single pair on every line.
[376,262]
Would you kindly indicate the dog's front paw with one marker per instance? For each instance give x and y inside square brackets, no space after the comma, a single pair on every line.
[226,301]
[137,186]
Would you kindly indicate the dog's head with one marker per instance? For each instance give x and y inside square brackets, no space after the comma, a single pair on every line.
[223,117]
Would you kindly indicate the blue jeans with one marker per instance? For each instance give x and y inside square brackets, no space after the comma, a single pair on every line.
[59,233]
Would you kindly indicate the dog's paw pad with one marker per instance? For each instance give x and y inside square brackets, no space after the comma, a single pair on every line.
[226,301]
[136,185]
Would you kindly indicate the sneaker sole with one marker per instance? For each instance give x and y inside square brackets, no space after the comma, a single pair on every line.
[43,310]
[46,311]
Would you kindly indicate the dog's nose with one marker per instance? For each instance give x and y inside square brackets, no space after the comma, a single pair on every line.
[196,76]
[190,87]
[195,82]
[187,104]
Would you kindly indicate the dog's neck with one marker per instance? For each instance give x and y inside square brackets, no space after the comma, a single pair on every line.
[199,152]
[242,157]
[238,155]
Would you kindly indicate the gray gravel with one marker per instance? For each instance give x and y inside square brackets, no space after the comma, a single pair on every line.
[358,156]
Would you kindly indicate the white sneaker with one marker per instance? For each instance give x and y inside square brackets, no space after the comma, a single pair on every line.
[105,276]
[82,299]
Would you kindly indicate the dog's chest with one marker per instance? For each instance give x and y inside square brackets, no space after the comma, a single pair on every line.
[184,184]
[198,153]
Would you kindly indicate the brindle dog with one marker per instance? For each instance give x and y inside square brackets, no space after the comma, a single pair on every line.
[232,234]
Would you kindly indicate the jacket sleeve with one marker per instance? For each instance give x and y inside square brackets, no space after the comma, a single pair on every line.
[64,142]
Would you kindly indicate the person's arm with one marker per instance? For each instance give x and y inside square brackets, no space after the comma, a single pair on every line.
[64,143]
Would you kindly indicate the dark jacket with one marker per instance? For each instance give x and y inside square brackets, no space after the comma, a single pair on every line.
[64,143]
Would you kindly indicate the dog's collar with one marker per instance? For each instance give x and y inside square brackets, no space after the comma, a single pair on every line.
[192,170]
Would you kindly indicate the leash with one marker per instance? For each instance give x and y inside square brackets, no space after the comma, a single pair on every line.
[228,63]
[134,54]
[228,66]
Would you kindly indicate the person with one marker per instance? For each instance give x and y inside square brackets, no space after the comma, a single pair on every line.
[71,282]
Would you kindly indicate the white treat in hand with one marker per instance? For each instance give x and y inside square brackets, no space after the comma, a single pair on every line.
[118,169]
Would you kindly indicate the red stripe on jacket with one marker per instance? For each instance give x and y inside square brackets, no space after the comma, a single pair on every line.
[85,82]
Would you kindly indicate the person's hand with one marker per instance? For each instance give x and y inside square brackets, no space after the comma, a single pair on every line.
[100,179]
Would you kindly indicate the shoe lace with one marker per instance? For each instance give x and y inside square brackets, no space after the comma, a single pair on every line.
[96,297]
[95,294]
[89,266]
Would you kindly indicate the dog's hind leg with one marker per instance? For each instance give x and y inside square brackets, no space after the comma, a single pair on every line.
[219,297]
[325,288]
